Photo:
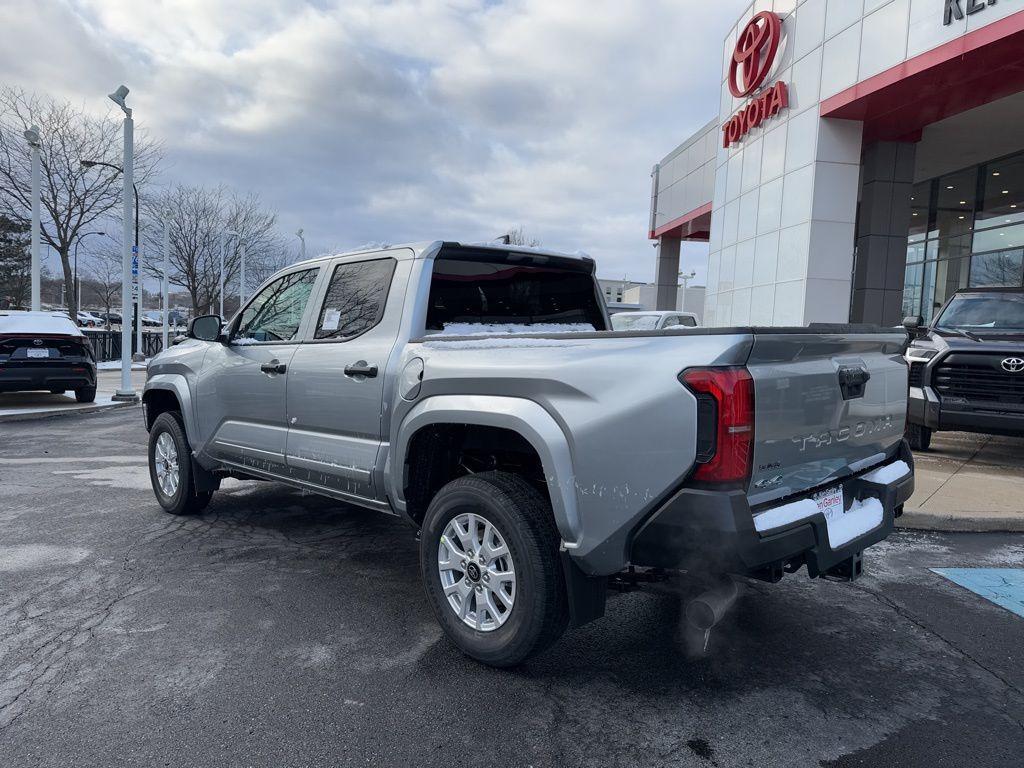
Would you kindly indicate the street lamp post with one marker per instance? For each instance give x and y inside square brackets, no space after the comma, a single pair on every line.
[136,308]
[126,392]
[241,279]
[34,143]
[167,271]
[223,246]
[78,287]
[298,234]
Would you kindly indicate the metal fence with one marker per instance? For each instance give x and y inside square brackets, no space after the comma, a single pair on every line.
[107,344]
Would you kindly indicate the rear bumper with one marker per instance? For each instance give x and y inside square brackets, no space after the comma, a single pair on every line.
[27,378]
[926,409]
[713,531]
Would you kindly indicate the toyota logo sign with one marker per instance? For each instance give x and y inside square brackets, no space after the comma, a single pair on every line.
[755,53]
[1013,365]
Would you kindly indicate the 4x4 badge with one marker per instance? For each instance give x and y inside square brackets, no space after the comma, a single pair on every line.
[1013,365]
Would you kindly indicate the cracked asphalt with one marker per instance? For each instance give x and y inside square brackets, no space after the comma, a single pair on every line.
[279,629]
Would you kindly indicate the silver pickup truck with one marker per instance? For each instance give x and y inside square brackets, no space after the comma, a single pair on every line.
[477,392]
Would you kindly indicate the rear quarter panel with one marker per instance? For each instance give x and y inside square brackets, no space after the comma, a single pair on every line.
[629,422]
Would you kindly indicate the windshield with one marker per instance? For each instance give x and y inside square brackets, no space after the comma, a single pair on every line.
[631,322]
[995,311]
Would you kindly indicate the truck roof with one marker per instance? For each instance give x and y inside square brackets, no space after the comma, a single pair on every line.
[419,249]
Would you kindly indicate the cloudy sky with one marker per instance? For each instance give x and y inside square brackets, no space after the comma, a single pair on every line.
[401,120]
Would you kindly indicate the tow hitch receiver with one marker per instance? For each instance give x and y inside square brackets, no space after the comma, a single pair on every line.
[848,570]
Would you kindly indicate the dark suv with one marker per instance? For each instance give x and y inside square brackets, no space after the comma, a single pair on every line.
[967,367]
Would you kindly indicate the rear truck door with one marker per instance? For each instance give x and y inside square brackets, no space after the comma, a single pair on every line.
[826,405]
[336,380]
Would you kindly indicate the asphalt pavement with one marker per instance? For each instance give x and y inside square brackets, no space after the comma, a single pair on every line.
[280,629]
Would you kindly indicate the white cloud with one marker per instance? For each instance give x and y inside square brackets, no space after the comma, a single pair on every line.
[406,119]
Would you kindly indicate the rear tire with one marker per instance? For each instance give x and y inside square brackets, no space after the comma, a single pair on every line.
[919,437]
[170,467]
[522,520]
[85,394]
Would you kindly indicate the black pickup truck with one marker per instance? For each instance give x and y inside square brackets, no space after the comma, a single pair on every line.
[967,366]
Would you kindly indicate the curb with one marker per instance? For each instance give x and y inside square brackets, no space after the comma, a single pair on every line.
[56,412]
[968,522]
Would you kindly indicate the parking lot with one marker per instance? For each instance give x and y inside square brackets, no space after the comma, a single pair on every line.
[283,629]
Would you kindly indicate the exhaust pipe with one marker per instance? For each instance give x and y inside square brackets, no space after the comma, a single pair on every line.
[708,609]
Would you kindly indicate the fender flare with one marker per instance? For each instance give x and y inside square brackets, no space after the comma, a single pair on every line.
[519,415]
[176,384]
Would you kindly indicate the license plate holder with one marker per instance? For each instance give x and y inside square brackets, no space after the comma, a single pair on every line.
[831,502]
[37,353]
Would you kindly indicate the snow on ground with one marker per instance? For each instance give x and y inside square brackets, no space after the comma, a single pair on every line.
[115,365]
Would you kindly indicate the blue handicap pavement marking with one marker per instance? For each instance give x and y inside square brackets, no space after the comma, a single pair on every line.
[1003,586]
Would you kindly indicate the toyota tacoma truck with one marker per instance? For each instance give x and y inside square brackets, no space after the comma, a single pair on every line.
[967,368]
[478,393]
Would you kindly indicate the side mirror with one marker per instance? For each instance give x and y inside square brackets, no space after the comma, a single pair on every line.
[205,328]
[913,323]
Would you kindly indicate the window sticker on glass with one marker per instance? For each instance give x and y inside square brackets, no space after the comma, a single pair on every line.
[331,319]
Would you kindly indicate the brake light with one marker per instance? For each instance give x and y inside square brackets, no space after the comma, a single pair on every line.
[725,423]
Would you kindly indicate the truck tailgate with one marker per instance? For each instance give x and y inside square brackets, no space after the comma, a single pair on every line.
[826,405]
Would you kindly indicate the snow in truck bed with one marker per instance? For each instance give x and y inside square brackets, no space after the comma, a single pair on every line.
[504,335]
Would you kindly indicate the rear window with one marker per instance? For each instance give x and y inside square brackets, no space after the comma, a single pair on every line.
[513,289]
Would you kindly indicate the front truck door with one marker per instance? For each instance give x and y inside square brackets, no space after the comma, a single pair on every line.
[336,379]
[243,382]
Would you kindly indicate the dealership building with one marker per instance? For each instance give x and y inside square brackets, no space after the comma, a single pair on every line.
[866,162]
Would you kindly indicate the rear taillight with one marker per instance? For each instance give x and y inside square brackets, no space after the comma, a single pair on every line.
[725,423]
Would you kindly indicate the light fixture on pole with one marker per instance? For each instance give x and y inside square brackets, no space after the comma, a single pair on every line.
[298,234]
[34,143]
[686,278]
[165,289]
[223,246]
[126,393]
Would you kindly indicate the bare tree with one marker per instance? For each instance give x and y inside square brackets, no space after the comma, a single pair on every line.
[103,280]
[15,263]
[73,197]
[517,236]
[198,218]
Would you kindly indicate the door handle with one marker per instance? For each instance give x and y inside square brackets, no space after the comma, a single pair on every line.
[362,368]
[274,367]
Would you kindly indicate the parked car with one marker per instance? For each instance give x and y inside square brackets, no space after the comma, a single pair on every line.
[89,320]
[476,392]
[45,350]
[967,366]
[651,321]
[110,318]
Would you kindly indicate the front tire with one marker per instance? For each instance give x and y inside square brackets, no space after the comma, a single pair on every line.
[920,438]
[490,564]
[170,468]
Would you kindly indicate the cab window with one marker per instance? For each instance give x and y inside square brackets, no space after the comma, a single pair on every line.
[276,312]
[355,299]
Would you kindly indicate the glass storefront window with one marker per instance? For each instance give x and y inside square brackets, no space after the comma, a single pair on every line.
[999,238]
[913,284]
[968,231]
[999,268]
[1002,193]
[954,208]
[920,205]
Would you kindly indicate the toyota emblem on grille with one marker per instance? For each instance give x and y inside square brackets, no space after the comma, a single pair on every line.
[37,342]
[1013,365]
